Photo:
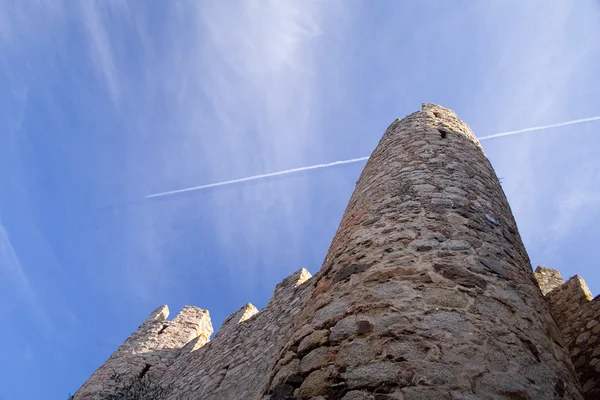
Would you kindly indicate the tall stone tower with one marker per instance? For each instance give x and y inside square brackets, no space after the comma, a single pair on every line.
[427,291]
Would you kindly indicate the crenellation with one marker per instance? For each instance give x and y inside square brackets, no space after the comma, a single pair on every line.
[426,292]
[247,346]
[174,352]
[548,279]
[150,350]
[578,318]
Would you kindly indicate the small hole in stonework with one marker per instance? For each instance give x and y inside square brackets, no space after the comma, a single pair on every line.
[163,329]
[443,133]
[437,115]
[144,371]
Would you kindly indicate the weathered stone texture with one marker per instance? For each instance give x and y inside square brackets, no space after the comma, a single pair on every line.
[237,363]
[548,279]
[426,291]
[149,351]
[578,318]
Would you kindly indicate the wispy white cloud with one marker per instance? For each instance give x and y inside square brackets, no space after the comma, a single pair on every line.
[227,91]
[575,206]
[234,91]
[262,81]
[100,46]
[12,271]
[201,92]
[11,266]
[543,69]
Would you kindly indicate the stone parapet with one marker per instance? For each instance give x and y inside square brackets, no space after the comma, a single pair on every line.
[548,279]
[237,363]
[426,292]
[149,351]
[578,318]
[180,359]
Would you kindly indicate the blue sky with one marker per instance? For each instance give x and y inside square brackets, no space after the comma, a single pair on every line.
[106,102]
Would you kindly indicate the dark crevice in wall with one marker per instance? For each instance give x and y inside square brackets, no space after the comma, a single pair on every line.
[144,371]
[165,326]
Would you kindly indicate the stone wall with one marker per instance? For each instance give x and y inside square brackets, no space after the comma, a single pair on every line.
[177,355]
[238,362]
[548,279]
[578,318]
[149,351]
[426,291]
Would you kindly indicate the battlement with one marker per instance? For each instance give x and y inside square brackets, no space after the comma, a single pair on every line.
[578,318]
[236,364]
[426,292]
[242,350]
[150,350]
[548,279]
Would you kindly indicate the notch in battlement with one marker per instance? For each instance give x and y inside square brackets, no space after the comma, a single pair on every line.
[159,333]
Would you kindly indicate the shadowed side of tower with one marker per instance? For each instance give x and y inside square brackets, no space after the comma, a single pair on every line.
[427,291]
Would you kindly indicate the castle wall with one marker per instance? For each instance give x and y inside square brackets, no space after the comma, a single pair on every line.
[578,318]
[548,279]
[238,362]
[426,291]
[149,351]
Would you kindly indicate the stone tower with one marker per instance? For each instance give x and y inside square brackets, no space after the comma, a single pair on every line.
[427,291]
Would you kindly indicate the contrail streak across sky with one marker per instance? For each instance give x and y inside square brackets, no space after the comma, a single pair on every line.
[355,160]
[540,128]
[252,178]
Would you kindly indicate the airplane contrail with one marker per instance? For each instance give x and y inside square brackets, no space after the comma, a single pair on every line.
[252,178]
[539,128]
[355,160]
